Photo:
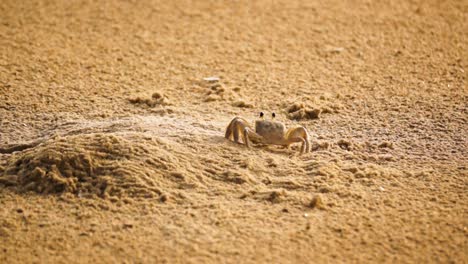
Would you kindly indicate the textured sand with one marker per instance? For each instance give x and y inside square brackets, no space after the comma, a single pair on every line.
[112,143]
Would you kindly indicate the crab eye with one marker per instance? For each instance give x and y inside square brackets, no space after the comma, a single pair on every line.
[273,115]
[261,114]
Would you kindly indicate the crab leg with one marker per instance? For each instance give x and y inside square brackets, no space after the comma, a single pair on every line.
[232,130]
[304,147]
[238,128]
[229,129]
[299,134]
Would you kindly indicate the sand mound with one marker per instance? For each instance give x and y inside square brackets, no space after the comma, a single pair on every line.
[312,108]
[155,100]
[242,104]
[299,111]
[96,165]
[345,144]
[316,202]
[217,91]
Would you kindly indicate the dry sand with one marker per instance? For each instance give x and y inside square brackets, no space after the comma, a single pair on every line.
[112,147]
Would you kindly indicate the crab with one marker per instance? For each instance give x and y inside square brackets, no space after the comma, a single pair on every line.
[267,132]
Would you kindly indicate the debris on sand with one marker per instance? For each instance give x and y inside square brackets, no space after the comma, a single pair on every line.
[155,100]
[386,157]
[345,144]
[316,202]
[164,198]
[386,144]
[334,49]
[212,98]
[213,90]
[320,104]
[305,114]
[237,177]
[216,92]
[295,107]
[242,104]
[298,111]
[211,79]
[277,196]
[327,110]
[320,145]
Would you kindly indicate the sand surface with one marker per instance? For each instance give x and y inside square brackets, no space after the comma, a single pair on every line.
[112,142]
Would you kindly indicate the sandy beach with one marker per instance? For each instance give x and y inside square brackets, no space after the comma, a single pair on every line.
[113,118]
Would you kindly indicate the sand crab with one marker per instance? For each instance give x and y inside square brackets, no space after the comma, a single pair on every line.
[267,132]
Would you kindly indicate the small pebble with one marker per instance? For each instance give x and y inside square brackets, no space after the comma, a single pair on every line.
[211,79]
